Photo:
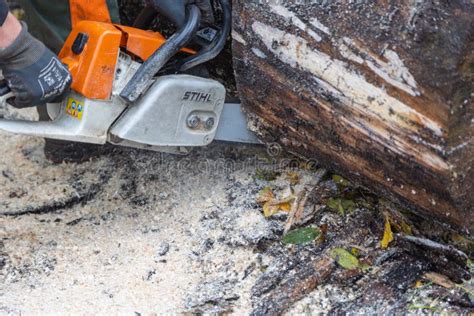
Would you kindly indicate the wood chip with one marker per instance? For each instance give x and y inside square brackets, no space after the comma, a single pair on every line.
[439,279]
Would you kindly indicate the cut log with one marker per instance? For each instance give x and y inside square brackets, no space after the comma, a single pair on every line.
[378,91]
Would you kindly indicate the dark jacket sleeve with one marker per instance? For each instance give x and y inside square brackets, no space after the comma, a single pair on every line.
[3,11]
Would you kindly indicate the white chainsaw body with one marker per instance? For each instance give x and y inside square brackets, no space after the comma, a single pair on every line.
[175,112]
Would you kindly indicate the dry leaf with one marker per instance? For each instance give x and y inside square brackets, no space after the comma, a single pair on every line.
[269,209]
[387,234]
[289,197]
[324,231]
[293,177]
[297,209]
[440,279]
[265,195]
[285,206]
[271,205]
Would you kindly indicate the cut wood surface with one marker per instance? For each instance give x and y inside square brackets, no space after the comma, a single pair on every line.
[380,92]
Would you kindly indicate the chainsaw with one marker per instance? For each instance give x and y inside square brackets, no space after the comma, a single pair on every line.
[130,88]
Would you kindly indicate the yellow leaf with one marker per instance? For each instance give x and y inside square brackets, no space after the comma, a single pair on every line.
[265,195]
[418,284]
[285,206]
[406,228]
[269,209]
[387,234]
[271,205]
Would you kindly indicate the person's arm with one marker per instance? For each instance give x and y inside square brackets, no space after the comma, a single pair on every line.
[34,74]
[9,26]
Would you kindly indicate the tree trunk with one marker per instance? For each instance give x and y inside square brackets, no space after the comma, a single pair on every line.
[378,91]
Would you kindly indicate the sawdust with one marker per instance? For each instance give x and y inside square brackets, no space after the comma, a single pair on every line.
[104,254]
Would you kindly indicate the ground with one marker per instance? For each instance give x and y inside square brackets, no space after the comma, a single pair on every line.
[136,232]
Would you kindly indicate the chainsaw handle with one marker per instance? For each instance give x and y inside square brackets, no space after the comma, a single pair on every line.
[162,55]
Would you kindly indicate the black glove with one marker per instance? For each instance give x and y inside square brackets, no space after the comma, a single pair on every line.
[34,74]
[174,10]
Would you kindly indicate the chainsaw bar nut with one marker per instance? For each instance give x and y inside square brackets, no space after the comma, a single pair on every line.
[210,123]
[193,121]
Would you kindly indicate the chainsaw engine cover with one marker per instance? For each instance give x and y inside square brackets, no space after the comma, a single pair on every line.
[177,110]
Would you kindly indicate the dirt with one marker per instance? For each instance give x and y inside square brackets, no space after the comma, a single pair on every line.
[142,232]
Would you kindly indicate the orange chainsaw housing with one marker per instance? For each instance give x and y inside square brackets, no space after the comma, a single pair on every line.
[93,69]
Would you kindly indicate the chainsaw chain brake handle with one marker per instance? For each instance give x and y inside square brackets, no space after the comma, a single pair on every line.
[211,51]
[184,35]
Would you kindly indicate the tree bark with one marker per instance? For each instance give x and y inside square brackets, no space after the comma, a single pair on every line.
[378,91]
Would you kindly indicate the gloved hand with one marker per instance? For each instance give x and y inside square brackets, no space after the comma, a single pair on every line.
[34,74]
[174,10]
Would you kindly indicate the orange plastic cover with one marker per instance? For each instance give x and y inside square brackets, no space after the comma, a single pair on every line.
[143,43]
[89,10]
[93,69]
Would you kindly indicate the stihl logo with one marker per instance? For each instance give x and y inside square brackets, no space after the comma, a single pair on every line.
[197,96]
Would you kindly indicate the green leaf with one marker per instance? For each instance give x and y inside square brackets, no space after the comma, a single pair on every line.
[341,205]
[348,205]
[301,236]
[340,181]
[333,204]
[345,259]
